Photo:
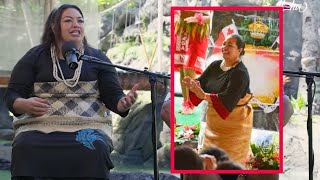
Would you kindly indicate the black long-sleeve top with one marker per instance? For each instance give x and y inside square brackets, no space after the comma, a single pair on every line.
[36,66]
[226,88]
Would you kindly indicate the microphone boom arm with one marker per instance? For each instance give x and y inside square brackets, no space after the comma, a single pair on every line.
[91,59]
[301,73]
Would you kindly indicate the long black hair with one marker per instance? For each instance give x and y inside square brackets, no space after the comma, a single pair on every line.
[52,28]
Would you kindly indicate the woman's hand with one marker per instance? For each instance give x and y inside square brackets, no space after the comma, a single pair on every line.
[127,101]
[194,86]
[34,106]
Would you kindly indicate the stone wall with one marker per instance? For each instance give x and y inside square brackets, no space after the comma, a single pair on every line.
[266,121]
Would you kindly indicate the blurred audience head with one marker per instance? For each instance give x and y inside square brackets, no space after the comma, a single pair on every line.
[218,153]
[186,158]
[229,165]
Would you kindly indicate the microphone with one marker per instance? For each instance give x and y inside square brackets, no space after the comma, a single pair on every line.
[71,54]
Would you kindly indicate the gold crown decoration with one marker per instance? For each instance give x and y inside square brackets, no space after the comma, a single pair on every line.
[258,30]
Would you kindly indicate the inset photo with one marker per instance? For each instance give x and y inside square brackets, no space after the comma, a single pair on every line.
[227,84]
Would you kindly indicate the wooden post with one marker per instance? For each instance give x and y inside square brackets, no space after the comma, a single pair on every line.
[160,33]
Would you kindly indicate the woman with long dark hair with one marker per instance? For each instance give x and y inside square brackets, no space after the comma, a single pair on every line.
[63,124]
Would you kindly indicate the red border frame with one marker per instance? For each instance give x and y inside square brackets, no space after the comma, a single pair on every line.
[231,8]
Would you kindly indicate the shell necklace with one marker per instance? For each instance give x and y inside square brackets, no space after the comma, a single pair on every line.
[223,66]
[56,68]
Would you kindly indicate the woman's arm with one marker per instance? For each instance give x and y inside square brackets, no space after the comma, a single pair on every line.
[165,112]
[225,101]
[34,106]
[18,94]
[196,93]
[127,101]
[111,91]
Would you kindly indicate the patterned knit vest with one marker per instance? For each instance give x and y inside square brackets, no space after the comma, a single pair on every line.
[72,109]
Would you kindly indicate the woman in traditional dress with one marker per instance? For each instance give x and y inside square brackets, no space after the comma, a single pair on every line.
[190,45]
[225,85]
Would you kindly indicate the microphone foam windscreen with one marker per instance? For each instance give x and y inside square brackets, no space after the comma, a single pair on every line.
[67,47]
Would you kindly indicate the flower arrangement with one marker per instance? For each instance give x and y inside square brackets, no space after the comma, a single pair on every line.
[186,133]
[265,156]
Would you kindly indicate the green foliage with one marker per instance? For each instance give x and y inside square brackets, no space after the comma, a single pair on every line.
[103,2]
[197,130]
[298,103]
[166,42]
[3,142]
[186,133]
[5,175]
[106,4]
[80,4]
[124,46]
[244,32]
[149,37]
[270,2]
[144,20]
[119,51]
[266,156]
[34,7]
[269,38]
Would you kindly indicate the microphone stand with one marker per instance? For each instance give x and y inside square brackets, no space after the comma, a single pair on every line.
[309,80]
[152,80]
